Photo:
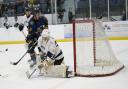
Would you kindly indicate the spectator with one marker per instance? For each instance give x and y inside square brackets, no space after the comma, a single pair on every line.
[19,7]
[5,9]
[48,6]
[11,9]
[0,10]
[25,3]
[61,15]
[70,15]
[123,15]
[34,4]
[30,3]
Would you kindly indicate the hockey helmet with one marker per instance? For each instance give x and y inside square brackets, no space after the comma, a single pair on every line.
[27,9]
[45,33]
[36,10]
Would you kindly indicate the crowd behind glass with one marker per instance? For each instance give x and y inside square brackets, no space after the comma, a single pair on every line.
[99,9]
[11,7]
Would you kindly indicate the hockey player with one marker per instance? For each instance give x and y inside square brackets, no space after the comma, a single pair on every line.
[49,47]
[52,56]
[35,27]
[6,23]
[40,22]
[27,17]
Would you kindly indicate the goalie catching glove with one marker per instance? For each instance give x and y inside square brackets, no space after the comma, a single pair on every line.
[45,64]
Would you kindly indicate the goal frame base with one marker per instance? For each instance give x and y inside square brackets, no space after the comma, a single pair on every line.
[99,75]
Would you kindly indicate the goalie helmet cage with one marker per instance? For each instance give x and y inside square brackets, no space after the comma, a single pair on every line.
[93,55]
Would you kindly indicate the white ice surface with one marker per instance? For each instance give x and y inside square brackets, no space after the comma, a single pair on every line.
[17,79]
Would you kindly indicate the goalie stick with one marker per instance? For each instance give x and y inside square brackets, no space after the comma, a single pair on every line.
[34,69]
[15,63]
[30,74]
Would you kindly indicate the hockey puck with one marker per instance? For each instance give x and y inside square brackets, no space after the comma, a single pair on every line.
[6,49]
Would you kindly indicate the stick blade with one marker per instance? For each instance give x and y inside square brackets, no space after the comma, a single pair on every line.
[13,63]
[27,74]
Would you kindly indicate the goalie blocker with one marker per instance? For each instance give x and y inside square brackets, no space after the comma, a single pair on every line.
[52,57]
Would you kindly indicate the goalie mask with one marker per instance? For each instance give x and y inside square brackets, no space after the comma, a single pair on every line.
[45,33]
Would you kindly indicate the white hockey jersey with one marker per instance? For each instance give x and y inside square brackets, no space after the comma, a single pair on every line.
[27,19]
[51,48]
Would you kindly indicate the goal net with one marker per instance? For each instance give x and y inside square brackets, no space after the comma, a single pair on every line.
[93,55]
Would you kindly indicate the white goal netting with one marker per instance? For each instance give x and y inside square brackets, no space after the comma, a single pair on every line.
[93,55]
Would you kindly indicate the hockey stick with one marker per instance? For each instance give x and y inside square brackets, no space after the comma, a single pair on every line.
[23,33]
[15,63]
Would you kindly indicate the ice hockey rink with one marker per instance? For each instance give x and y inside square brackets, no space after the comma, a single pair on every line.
[13,77]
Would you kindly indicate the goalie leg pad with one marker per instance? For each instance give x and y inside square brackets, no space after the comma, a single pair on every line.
[56,71]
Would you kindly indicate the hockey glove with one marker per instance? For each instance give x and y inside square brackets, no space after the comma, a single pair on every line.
[21,27]
[16,24]
[28,38]
[46,64]
[6,25]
